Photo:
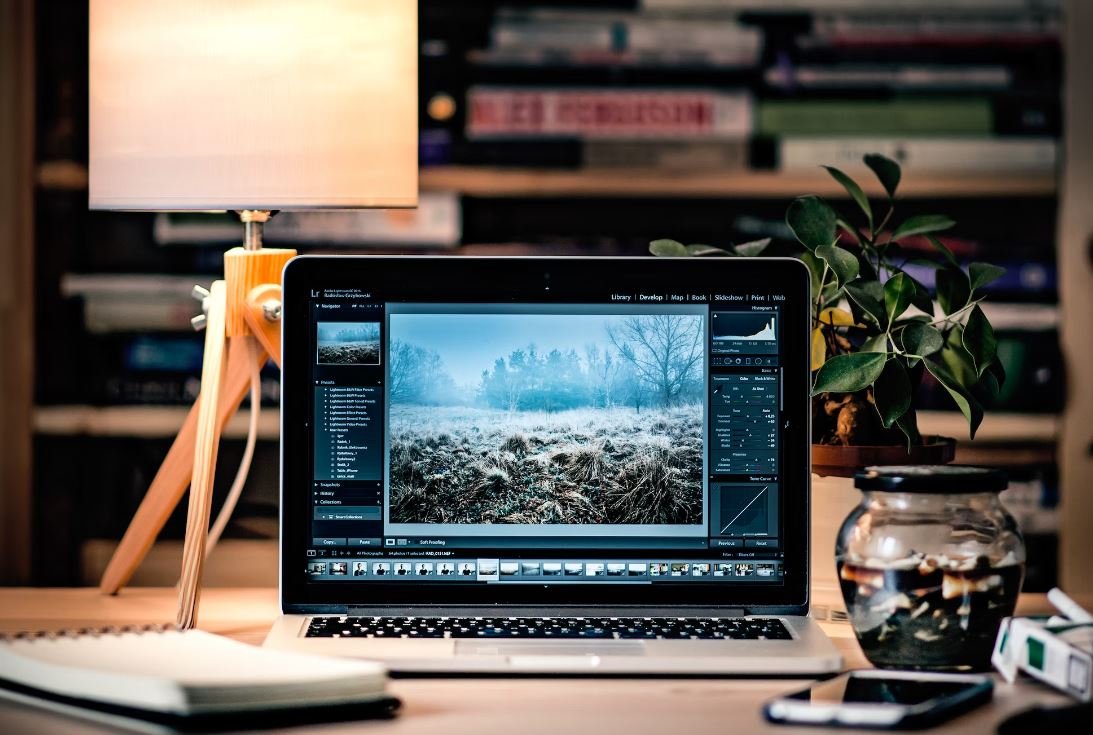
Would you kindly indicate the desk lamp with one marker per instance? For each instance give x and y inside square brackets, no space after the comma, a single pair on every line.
[251,106]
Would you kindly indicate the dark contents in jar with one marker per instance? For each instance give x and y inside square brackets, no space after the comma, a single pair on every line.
[932,615]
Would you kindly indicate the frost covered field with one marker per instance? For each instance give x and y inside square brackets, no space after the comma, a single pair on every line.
[461,464]
[350,353]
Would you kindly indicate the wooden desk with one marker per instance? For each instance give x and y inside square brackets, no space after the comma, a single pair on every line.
[476,706]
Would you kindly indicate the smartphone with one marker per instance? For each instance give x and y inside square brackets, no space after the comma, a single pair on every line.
[894,700]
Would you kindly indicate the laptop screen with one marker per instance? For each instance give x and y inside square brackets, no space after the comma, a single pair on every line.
[623,436]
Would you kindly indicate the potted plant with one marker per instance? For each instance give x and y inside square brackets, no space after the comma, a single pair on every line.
[876,332]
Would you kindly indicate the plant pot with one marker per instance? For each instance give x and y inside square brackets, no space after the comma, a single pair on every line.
[831,460]
[834,496]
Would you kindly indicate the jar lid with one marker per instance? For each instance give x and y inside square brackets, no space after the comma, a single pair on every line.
[942,478]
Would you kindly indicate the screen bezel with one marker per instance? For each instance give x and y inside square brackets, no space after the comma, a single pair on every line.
[509,280]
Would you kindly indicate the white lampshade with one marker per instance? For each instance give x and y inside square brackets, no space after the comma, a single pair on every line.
[253,104]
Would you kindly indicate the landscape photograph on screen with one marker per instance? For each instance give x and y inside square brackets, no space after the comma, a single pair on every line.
[501,418]
[348,343]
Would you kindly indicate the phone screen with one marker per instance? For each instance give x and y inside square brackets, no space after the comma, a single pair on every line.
[863,690]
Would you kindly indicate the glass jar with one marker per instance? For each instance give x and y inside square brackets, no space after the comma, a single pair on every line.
[929,564]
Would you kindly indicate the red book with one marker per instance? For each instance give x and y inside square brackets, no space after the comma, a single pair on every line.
[495,112]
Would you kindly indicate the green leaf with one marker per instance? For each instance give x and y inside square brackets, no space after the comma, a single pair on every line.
[898,292]
[849,373]
[958,359]
[979,340]
[812,221]
[921,340]
[854,191]
[987,389]
[815,271]
[968,405]
[869,296]
[865,268]
[943,249]
[668,249]
[953,289]
[887,171]
[841,262]
[921,299]
[999,372]
[849,229]
[980,274]
[908,424]
[707,251]
[753,248]
[876,343]
[892,392]
[921,225]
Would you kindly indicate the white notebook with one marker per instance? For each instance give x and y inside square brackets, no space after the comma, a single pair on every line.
[182,673]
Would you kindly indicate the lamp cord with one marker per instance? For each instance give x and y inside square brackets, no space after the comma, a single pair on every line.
[236,490]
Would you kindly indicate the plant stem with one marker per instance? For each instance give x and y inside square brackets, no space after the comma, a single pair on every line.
[958,312]
[883,222]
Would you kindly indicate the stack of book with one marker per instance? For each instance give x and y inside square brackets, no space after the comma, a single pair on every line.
[966,89]
[786,85]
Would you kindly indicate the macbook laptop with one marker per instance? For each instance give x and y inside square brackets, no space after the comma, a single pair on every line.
[548,465]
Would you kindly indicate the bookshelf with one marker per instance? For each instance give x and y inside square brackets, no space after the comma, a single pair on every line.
[543,206]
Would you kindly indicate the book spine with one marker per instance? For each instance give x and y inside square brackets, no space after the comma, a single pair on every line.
[606,113]
[721,155]
[553,35]
[919,28]
[903,77]
[1032,155]
[949,116]
[103,314]
[164,390]
[782,6]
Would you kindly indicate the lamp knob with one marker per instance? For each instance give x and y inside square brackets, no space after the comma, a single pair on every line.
[201,294]
[271,309]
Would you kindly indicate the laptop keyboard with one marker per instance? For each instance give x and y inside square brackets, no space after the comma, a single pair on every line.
[620,628]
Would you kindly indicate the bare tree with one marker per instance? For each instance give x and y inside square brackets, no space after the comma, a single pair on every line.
[417,375]
[665,351]
[405,370]
[603,375]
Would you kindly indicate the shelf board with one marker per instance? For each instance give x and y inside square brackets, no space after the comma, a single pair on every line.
[152,422]
[499,182]
[997,428]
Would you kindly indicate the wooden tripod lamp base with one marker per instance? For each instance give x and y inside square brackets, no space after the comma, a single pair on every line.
[242,332]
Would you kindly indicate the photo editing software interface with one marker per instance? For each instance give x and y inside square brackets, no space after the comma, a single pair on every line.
[631,441]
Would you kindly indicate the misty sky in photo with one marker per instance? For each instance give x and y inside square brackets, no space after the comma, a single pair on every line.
[469,343]
[331,331]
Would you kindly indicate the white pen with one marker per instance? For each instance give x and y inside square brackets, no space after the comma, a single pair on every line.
[1064,604]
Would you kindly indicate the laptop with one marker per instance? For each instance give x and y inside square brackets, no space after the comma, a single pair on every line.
[548,465]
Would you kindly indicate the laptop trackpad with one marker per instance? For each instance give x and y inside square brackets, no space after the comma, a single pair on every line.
[548,648]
